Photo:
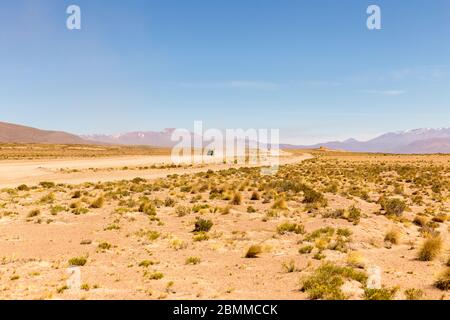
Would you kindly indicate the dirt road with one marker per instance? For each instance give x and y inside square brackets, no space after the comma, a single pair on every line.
[31,172]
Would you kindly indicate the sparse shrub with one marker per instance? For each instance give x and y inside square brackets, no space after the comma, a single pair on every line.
[112,226]
[62,289]
[237,199]
[319,256]
[76,194]
[23,187]
[178,244]
[354,214]
[85,287]
[182,211]
[253,251]
[306,249]
[322,232]
[54,210]
[443,282]
[280,204]
[440,218]
[380,294]
[413,294]
[47,185]
[289,266]
[394,207]
[169,202]
[75,205]
[155,275]
[430,248]
[344,232]
[201,236]
[146,263]
[193,260]
[200,207]
[148,208]
[288,227]
[255,196]
[250,209]
[336,214]
[420,221]
[311,196]
[203,225]
[225,210]
[356,260]
[104,246]
[138,180]
[98,203]
[327,280]
[392,236]
[34,213]
[79,210]
[78,261]
[150,235]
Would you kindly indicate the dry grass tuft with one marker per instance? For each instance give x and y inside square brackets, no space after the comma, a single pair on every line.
[431,248]
[253,251]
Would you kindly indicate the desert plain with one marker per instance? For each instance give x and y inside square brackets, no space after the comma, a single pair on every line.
[87,222]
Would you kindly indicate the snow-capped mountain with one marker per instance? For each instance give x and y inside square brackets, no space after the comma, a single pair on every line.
[152,138]
[409,141]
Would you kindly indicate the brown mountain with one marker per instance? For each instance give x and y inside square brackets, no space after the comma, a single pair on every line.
[13,133]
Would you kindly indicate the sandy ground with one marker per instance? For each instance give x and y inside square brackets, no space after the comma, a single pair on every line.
[35,250]
[31,172]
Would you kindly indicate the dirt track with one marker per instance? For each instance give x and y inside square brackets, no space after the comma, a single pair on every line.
[31,172]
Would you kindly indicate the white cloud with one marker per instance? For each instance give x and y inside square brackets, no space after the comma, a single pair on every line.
[385,92]
[436,72]
[320,84]
[237,84]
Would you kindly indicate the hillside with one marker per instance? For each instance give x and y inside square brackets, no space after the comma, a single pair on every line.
[13,133]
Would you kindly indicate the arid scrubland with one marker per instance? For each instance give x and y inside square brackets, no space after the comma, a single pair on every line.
[314,230]
[20,151]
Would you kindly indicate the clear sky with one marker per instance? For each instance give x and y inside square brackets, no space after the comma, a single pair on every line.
[310,68]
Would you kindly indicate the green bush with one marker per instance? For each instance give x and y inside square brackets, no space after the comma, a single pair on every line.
[47,185]
[354,214]
[288,227]
[78,261]
[413,294]
[394,207]
[148,208]
[306,249]
[327,280]
[380,294]
[203,225]
[311,196]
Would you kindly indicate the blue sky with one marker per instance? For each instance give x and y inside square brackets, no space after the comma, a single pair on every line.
[310,68]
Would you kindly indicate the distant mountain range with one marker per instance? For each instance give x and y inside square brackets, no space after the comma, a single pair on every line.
[407,142]
[152,138]
[420,141]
